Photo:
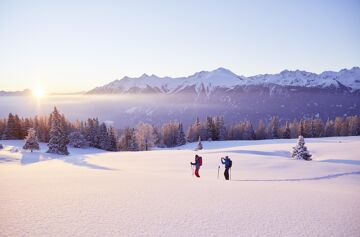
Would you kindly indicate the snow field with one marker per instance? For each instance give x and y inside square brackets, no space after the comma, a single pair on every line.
[97,193]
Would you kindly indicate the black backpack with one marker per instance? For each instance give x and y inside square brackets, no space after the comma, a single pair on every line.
[230,163]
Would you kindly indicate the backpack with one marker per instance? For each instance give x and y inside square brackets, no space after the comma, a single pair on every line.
[200,160]
[230,163]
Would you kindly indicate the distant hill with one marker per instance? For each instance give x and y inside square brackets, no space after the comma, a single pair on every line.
[25,92]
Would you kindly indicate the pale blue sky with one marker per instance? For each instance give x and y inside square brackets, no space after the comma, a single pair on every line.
[69,46]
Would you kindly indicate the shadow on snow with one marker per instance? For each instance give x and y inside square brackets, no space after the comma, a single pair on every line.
[330,176]
[78,160]
[7,160]
[285,154]
[347,162]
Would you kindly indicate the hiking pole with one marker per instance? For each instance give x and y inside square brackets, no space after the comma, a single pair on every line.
[192,170]
[230,174]
[218,171]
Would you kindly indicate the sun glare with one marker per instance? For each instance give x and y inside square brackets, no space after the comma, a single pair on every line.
[38,92]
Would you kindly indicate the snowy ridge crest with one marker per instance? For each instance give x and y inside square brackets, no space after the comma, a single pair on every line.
[209,81]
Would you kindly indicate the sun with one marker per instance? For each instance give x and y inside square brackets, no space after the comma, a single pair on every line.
[38,92]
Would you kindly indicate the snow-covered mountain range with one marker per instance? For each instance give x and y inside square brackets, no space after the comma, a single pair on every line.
[209,81]
[288,94]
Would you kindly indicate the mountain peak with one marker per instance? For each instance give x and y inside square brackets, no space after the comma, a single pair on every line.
[223,70]
[144,75]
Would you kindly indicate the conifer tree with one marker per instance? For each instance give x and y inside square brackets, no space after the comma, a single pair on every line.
[10,130]
[300,151]
[180,140]
[301,129]
[329,128]
[31,142]
[133,146]
[58,137]
[112,139]
[248,131]
[273,129]
[211,129]
[26,125]
[104,141]
[199,145]
[220,128]
[17,130]
[77,140]
[287,132]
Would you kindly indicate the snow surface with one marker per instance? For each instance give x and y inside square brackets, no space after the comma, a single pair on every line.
[97,193]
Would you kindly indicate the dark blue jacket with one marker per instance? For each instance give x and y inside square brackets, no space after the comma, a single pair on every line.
[226,162]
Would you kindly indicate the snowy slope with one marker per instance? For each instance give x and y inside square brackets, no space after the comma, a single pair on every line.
[293,78]
[223,78]
[165,84]
[96,193]
[209,81]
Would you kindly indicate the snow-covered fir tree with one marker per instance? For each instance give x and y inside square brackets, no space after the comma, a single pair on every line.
[286,133]
[195,130]
[273,129]
[248,131]
[301,129]
[31,142]
[26,125]
[93,132]
[180,140]
[13,128]
[104,140]
[199,144]
[77,140]
[58,137]
[157,136]
[211,129]
[220,128]
[112,139]
[133,146]
[300,151]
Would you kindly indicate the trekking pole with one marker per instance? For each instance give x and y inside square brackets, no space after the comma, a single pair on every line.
[218,171]
[230,173]
[192,170]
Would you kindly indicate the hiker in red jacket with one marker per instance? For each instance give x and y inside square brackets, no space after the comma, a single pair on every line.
[197,163]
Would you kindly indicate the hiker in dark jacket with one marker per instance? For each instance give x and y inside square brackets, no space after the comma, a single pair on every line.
[197,163]
[228,163]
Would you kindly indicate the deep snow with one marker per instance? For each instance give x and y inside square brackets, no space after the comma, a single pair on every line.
[96,193]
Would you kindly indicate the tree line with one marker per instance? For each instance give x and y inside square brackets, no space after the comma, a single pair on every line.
[55,129]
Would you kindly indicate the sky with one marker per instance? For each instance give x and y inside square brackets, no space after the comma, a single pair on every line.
[69,46]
